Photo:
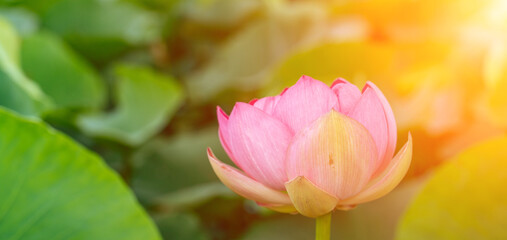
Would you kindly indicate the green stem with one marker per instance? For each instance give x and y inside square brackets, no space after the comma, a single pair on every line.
[323,227]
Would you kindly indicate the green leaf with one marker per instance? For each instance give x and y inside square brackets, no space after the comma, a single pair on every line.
[169,165]
[194,196]
[164,6]
[222,13]
[52,188]
[38,7]
[101,29]
[146,100]
[55,67]
[9,43]
[24,21]
[181,226]
[464,199]
[17,92]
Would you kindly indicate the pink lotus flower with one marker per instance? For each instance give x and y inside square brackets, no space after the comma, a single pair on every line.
[313,148]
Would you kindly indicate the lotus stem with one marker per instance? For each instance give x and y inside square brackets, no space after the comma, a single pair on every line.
[323,227]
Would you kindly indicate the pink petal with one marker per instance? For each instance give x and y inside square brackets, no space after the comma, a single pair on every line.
[259,142]
[245,186]
[304,102]
[348,94]
[253,101]
[223,131]
[267,104]
[335,153]
[391,125]
[369,112]
[388,179]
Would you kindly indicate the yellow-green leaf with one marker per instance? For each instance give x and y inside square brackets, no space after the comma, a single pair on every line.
[464,199]
[17,92]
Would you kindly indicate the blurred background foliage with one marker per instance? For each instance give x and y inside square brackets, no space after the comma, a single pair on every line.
[137,82]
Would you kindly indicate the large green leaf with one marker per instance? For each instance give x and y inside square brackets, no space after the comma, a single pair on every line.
[55,67]
[145,102]
[464,199]
[101,29]
[52,188]
[17,92]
